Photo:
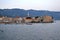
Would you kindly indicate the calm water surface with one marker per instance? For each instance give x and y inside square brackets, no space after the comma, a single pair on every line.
[40,31]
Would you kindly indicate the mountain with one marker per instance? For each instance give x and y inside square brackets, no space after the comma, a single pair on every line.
[22,13]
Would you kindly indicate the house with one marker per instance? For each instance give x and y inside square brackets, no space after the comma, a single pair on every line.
[7,20]
[17,20]
[36,19]
[47,19]
[1,19]
[28,19]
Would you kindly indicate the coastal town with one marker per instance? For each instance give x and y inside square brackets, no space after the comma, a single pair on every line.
[28,19]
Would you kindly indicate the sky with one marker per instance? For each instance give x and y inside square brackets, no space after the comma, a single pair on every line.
[52,5]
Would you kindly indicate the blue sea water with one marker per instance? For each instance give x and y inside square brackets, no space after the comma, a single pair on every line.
[39,31]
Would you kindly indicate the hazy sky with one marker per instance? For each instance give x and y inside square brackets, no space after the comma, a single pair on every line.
[53,5]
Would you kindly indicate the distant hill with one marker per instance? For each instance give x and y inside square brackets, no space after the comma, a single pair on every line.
[22,13]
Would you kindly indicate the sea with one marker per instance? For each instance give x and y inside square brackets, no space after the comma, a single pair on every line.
[36,31]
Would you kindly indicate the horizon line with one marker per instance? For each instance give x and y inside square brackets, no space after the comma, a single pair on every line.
[31,9]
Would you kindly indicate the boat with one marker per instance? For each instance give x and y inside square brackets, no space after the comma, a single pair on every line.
[29,23]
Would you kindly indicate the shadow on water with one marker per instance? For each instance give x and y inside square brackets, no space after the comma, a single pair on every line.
[1,31]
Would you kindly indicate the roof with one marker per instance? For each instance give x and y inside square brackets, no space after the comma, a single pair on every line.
[28,18]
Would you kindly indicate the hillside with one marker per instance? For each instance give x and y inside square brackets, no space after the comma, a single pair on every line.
[22,13]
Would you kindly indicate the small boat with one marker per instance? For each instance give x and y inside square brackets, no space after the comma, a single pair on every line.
[29,23]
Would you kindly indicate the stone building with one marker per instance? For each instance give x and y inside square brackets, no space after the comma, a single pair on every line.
[7,20]
[1,18]
[17,20]
[36,19]
[47,19]
[28,19]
